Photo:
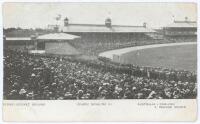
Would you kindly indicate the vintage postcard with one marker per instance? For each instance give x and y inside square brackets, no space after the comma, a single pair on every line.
[99,62]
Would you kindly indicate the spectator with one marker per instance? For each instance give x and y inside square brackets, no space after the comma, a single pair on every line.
[49,77]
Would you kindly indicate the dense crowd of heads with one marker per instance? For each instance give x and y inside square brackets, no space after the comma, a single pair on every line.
[94,48]
[98,45]
[49,77]
[94,43]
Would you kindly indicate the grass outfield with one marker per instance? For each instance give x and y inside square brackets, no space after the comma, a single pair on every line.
[175,57]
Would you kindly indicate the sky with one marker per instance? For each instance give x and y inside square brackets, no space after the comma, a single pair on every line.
[39,15]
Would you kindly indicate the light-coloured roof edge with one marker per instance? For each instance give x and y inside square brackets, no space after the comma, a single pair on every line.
[57,36]
[17,38]
[182,24]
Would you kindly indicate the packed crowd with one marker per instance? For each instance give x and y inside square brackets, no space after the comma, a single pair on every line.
[93,45]
[94,48]
[97,44]
[182,39]
[55,78]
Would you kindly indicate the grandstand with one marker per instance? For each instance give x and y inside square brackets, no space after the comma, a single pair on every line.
[96,38]
[180,31]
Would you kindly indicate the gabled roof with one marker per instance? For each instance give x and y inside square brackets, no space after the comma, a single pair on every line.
[103,28]
[185,24]
[57,36]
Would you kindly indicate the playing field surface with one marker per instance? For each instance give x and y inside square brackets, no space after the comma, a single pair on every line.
[175,57]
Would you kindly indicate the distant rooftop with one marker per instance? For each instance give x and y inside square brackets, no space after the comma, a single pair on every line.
[23,32]
[19,33]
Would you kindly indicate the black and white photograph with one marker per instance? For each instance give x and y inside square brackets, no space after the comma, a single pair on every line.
[95,61]
[64,54]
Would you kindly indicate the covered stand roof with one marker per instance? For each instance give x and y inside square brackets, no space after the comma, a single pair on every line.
[57,36]
[183,24]
[103,28]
